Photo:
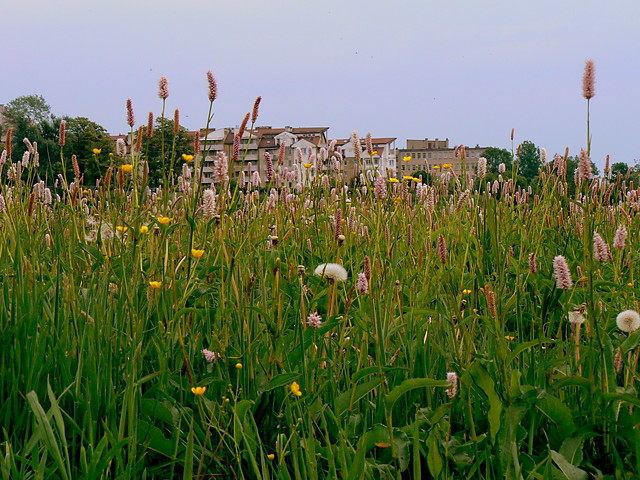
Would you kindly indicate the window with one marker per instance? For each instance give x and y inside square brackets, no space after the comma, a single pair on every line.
[429,155]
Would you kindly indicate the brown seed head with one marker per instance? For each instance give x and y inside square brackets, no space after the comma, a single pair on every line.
[213,86]
[131,119]
[62,133]
[163,88]
[256,106]
[589,80]
[150,125]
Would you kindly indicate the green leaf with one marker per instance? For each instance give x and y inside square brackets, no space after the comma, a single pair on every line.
[487,385]
[346,400]
[570,471]
[631,342]
[434,458]
[557,412]
[571,448]
[47,435]
[282,380]
[412,384]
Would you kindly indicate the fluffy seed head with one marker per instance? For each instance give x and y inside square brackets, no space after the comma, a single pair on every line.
[576,316]
[332,271]
[628,321]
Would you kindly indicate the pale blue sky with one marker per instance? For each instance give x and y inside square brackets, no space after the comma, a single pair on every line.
[466,70]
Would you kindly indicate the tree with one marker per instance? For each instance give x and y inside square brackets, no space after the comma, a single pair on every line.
[34,108]
[175,145]
[83,136]
[496,156]
[619,167]
[529,160]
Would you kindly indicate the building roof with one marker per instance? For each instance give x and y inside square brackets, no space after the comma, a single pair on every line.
[375,141]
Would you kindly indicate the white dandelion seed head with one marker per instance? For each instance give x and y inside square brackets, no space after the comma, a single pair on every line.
[332,271]
[628,321]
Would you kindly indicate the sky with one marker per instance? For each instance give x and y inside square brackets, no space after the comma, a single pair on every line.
[466,70]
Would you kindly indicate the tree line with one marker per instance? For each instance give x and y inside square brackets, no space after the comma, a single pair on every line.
[30,117]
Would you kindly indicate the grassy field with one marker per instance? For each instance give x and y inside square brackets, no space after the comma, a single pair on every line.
[190,333]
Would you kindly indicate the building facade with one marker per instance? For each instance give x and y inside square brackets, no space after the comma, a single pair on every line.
[255,143]
[436,157]
[382,161]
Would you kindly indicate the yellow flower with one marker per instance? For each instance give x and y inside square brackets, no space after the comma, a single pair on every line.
[408,177]
[126,168]
[155,284]
[509,337]
[407,158]
[120,228]
[446,165]
[198,390]
[144,229]
[375,152]
[466,291]
[238,365]
[393,180]
[295,389]
[436,167]
[307,165]
[382,445]
[630,284]
[97,151]
[416,179]
[164,220]
[187,158]
[475,310]
[197,253]
[271,456]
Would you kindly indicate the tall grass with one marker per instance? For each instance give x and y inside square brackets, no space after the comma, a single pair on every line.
[100,366]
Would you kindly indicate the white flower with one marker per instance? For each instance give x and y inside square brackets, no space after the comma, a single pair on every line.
[628,321]
[576,317]
[332,271]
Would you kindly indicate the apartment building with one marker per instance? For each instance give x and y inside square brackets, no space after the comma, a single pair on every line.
[383,160]
[255,143]
[436,157]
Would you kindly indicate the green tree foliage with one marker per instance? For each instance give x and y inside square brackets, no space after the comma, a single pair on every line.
[619,167]
[496,156]
[529,160]
[33,108]
[83,136]
[175,145]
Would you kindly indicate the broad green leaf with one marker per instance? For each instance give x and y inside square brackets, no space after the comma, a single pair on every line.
[487,385]
[346,400]
[434,458]
[557,412]
[571,471]
[412,384]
